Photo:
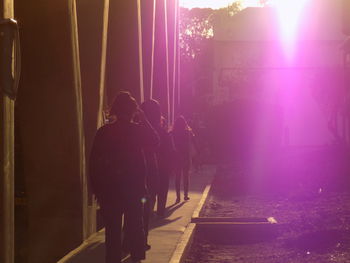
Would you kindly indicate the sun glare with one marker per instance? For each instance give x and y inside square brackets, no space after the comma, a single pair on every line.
[289,16]
[289,13]
[216,4]
[204,3]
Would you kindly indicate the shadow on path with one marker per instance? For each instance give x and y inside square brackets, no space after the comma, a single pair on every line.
[158,221]
[171,209]
[93,250]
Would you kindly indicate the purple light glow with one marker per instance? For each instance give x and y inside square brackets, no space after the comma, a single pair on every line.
[289,15]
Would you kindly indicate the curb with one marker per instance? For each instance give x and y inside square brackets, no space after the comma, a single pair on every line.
[186,239]
[88,242]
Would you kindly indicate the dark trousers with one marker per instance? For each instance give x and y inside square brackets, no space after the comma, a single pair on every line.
[183,173]
[134,232]
[147,212]
[162,192]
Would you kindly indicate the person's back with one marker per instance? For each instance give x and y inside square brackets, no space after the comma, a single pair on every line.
[166,149]
[117,174]
[182,141]
[117,162]
[183,138]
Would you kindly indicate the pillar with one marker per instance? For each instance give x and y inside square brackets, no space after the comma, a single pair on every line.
[49,118]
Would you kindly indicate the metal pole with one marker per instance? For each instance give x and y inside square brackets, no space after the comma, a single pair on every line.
[139,29]
[178,61]
[102,100]
[167,60]
[8,106]
[153,43]
[8,171]
[79,112]
[176,39]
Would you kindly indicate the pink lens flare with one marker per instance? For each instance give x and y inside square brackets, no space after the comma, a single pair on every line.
[290,16]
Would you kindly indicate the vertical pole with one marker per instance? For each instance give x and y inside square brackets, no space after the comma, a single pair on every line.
[103,63]
[153,40]
[79,111]
[178,60]
[8,106]
[139,27]
[176,38]
[167,60]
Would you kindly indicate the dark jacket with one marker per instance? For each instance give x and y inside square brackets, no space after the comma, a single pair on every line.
[117,165]
[166,150]
[183,141]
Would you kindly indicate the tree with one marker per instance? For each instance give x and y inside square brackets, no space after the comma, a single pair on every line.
[196,49]
[195,30]
[196,27]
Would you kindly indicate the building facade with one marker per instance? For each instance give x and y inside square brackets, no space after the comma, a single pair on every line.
[304,76]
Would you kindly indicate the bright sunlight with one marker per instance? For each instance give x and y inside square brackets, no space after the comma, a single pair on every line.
[215,4]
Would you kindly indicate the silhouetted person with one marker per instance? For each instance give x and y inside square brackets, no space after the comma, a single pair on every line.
[117,173]
[196,127]
[157,159]
[152,174]
[165,156]
[183,138]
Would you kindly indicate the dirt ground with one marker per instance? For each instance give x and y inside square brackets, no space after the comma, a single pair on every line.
[309,197]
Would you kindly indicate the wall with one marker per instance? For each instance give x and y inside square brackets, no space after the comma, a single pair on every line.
[47,118]
[250,63]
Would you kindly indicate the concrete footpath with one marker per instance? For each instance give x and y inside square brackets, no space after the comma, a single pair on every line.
[165,232]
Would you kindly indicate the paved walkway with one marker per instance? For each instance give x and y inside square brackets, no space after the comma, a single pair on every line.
[165,232]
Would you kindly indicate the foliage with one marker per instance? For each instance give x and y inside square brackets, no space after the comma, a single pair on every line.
[196,51]
[196,27]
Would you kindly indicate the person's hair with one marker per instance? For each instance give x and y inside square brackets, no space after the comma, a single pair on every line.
[152,111]
[124,105]
[180,124]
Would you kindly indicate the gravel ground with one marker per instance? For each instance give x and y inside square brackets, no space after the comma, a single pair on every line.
[312,210]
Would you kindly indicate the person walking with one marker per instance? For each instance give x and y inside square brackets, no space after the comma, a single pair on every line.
[117,175]
[183,140]
[152,170]
[165,155]
[157,163]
